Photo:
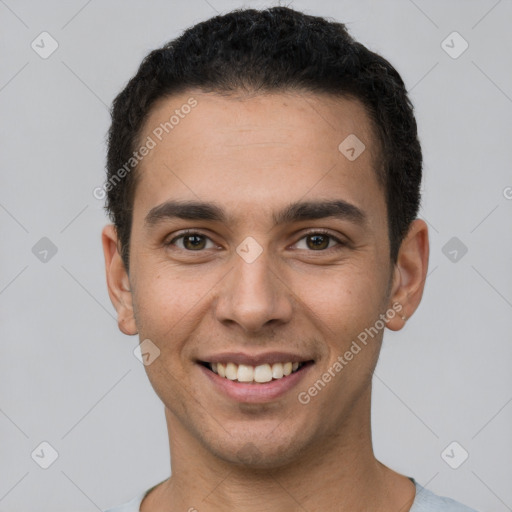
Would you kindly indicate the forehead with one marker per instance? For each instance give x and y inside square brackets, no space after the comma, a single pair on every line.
[257,149]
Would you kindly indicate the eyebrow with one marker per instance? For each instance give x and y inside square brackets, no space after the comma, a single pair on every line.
[295,212]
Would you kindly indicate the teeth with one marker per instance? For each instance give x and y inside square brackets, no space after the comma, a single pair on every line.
[245,373]
[277,370]
[231,371]
[261,373]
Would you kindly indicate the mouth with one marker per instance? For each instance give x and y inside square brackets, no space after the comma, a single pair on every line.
[260,374]
[261,382]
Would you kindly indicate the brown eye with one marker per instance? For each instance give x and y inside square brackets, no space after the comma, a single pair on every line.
[194,242]
[191,242]
[318,241]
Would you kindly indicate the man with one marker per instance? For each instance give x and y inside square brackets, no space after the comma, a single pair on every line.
[263,183]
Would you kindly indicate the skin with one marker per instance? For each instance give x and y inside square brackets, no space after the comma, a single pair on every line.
[253,156]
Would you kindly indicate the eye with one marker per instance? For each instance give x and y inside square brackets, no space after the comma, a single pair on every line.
[319,241]
[191,241]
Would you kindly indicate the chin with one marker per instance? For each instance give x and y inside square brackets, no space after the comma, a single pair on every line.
[259,452]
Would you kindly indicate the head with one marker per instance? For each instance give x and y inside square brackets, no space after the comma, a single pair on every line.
[295,245]
[257,52]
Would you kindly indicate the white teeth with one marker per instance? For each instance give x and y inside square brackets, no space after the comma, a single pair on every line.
[261,373]
[277,370]
[231,371]
[245,373]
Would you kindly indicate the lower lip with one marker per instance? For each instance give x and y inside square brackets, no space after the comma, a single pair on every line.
[257,392]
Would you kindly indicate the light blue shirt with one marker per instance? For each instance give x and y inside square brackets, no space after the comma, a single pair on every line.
[425,501]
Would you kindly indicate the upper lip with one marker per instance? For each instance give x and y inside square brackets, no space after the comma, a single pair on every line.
[255,359]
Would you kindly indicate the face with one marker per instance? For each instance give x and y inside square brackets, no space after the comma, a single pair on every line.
[284,259]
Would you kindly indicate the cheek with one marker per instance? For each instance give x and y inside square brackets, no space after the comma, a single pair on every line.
[166,307]
[343,299]
[173,307]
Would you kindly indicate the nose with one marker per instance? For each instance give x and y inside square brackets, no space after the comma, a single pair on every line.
[254,296]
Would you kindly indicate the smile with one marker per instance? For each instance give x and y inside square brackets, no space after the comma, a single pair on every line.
[254,374]
[255,383]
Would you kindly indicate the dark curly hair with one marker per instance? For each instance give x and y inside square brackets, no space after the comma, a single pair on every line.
[272,50]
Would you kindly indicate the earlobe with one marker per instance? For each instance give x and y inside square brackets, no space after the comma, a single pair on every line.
[118,282]
[409,274]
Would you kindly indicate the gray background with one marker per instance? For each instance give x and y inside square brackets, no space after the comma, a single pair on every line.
[69,377]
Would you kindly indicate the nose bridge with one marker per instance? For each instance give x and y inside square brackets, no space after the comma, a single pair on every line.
[253,296]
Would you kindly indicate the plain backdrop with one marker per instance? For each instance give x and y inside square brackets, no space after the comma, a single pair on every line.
[69,378]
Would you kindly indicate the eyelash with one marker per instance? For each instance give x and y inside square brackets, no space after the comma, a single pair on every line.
[305,235]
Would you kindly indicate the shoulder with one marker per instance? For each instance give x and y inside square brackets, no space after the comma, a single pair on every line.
[427,501]
[134,504]
[131,506]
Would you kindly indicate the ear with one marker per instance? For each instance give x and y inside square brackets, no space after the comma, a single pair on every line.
[118,282]
[409,274]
